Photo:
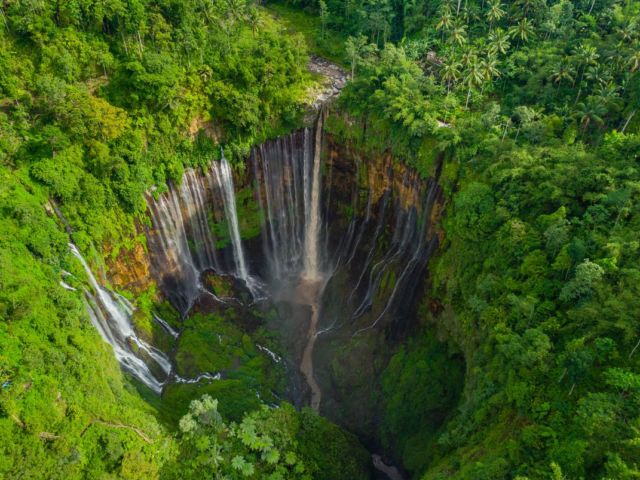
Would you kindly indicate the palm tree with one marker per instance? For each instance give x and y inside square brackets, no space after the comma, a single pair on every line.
[523,30]
[498,41]
[495,12]
[525,117]
[591,111]
[626,34]
[596,74]
[450,72]
[459,34]
[445,22]
[254,20]
[609,96]
[526,5]
[586,56]
[469,57]
[489,68]
[474,77]
[563,71]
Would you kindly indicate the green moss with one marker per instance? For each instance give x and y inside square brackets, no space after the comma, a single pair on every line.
[214,343]
[236,398]
[250,216]
[220,285]
[208,344]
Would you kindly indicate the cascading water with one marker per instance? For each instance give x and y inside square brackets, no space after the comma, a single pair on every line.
[111,316]
[224,179]
[326,275]
[312,210]
[182,241]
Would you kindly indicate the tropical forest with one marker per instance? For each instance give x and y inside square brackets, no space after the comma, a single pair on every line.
[319,239]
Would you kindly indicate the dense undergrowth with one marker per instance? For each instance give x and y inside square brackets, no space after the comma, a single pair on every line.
[99,102]
[533,107]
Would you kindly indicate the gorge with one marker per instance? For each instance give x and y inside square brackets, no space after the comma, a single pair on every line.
[319,240]
[337,247]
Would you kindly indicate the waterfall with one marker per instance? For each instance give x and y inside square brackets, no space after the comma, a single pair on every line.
[279,168]
[312,210]
[224,179]
[288,180]
[175,269]
[344,244]
[111,315]
[182,242]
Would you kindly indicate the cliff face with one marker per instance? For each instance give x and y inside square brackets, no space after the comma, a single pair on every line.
[378,230]
[389,219]
[130,270]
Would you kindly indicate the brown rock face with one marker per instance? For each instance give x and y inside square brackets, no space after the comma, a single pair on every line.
[131,269]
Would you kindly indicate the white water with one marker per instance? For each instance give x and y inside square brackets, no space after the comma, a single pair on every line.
[66,286]
[168,328]
[312,210]
[176,259]
[275,357]
[111,316]
[183,244]
[224,177]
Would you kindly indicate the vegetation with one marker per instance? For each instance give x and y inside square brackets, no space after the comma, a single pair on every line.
[98,103]
[268,443]
[531,109]
[533,106]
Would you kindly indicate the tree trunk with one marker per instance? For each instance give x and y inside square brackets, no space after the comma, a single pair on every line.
[626,124]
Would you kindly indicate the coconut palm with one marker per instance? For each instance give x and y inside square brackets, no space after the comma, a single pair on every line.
[474,77]
[563,72]
[590,112]
[489,67]
[469,57]
[523,30]
[495,12]
[459,34]
[450,72]
[499,41]
[527,6]
[609,96]
[445,22]
[586,56]
[626,34]
[596,74]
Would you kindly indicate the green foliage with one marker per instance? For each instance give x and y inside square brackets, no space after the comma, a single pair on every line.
[262,445]
[66,411]
[421,385]
[272,443]
[329,452]
[97,102]
[533,107]
[542,292]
